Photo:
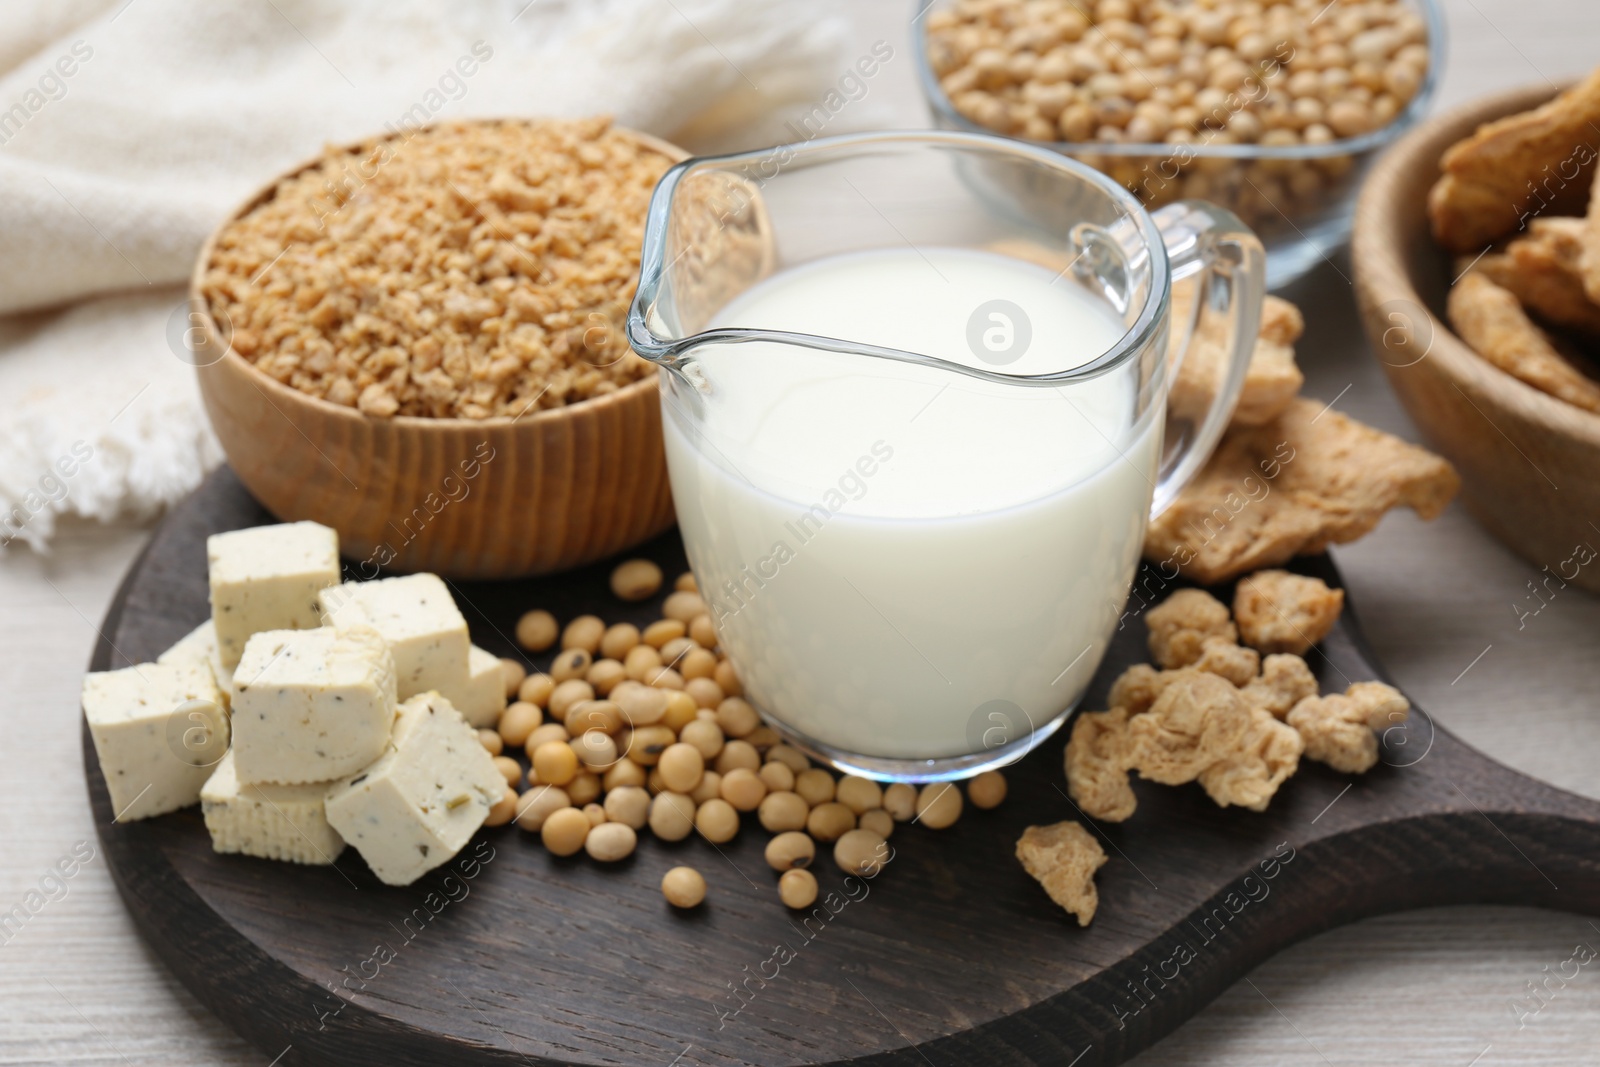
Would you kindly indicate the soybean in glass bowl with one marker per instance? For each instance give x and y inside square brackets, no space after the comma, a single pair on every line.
[1299,198]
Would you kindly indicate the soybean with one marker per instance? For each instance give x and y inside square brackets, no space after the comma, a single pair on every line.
[537,804]
[703,631]
[629,805]
[859,794]
[671,816]
[515,674]
[938,805]
[510,769]
[621,775]
[790,850]
[595,750]
[710,786]
[574,663]
[568,695]
[518,721]
[703,691]
[728,678]
[717,820]
[535,689]
[704,735]
[601,715]
[782,811]
[503,809]
[555,763]
[777,777]
[605,675]
[564,831]
[736,717]
[790,757]
[550,731]
[619,640]
[636,579]
[987,790]
[683,606]
[610,842]
[584,787]
[647,743]
[878,821]
[797,888]
[860,852]
[830,821]
[684,887]
[536,630]
[583,632]
[738,755]
[815,785]
[661,631]
[741,788]
[681,767]
[900,801]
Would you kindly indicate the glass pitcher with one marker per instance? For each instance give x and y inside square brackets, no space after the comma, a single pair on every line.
[915,397]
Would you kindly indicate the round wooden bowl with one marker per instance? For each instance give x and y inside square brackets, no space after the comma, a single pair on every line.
[465,498]
[1528,462]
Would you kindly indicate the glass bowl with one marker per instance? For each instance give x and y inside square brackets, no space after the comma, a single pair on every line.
[1300,199]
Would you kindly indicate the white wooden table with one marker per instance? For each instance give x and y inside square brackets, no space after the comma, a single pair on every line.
[1429,987]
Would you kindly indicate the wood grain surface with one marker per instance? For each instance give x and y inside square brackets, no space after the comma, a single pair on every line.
[952,944]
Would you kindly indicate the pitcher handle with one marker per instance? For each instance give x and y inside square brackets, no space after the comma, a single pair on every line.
[1205,239]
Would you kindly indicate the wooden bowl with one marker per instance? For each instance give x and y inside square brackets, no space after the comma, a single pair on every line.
[1529,463]
[465,498]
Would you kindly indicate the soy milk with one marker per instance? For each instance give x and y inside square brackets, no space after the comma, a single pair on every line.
[893,552]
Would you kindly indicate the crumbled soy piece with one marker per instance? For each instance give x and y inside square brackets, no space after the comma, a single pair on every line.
[1250,777]
[1180,625]
[1190,724]
[1064,858]
[1228,659]
[1544,270]
[1277,611]
[1197,720]
[1099,754]
[1281,322]
[1272,379]
[1492,322]
[1137,688]
[1342,730]
[1310,478]
[1491,179]
[1284,681]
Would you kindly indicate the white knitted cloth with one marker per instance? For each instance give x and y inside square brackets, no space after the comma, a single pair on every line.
[130,128]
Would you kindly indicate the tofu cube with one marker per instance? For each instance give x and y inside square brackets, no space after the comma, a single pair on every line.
[275,822]
[199,646]
[196,646]
[418,805]
[417,616]
[267,578]
[311,705]
[159,729]
[481,697]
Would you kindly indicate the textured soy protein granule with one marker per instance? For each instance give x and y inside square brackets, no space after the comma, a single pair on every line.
[468,270]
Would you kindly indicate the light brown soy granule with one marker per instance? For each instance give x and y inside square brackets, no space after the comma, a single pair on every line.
[470,270]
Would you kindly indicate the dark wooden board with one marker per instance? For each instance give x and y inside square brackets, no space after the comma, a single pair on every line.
[952,956]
